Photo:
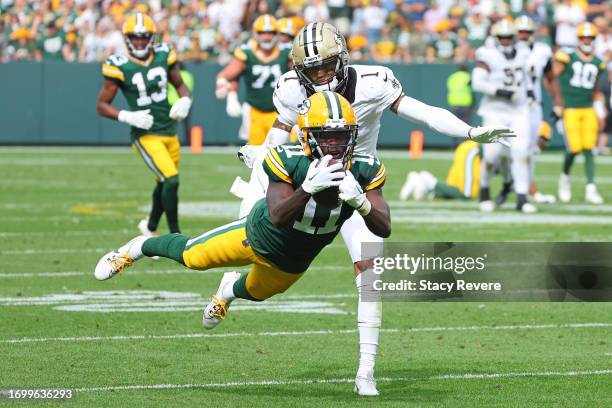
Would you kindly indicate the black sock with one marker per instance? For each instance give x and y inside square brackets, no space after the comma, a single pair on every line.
[157,209]
[485,195]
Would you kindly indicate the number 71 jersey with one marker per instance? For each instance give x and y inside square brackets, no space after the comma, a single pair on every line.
[292,248]
[145,86]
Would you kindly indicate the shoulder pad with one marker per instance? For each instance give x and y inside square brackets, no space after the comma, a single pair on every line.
[240,53]
[562,57]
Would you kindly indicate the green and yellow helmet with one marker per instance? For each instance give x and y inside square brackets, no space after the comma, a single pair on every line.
[586,33]
[320,57]
[265,23]
[327,125]
[139,25]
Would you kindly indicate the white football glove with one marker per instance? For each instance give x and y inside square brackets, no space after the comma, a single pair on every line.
[141,119]
[250,154]
[180,109]
[352,194]
[233,107]
[321,176]
[222,88]
[490,134]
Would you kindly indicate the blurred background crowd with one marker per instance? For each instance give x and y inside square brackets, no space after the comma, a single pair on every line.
[384,31]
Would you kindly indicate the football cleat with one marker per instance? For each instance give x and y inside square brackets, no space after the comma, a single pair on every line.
[217,308]
[365,385]
[486,206]
[565,188]
[540,198]
[528,208]
[143,227]
[409,186]
[591,195]
[117,261]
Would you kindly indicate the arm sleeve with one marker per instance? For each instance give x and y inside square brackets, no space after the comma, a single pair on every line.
[438,119]
[481,83]
[277,137]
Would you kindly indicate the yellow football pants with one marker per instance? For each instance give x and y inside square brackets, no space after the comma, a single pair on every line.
[228,246]
[464,173]
[580,129]
[160,153]
[256,124]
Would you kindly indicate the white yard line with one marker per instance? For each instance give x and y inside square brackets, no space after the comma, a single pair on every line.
[317,381]
[308,332]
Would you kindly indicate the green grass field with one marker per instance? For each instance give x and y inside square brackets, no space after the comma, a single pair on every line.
[137,340]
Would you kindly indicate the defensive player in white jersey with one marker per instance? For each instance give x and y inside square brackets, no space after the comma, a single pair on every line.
[539,71]
[500,76]
[321,62]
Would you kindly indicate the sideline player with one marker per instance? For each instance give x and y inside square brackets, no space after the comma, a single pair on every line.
[285,231]
[463,179]
[260,62]
[577,74]
[321,62]
[499,76]
[142,75]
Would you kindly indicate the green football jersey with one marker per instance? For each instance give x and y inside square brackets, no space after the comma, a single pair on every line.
[578,79]
[294,247]
[259,78]
[145,86]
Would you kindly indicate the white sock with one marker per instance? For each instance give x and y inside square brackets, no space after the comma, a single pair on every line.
[135,248]
[369,317]
[227,292]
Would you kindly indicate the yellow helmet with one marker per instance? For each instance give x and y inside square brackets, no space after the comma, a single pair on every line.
[586,34]
[328,125]
[586,30]
[286,25]
[265,24]
[139,25]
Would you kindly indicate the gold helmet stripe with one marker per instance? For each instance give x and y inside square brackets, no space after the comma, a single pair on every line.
[310,40]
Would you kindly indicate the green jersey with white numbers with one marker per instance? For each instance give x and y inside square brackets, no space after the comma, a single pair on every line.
[259,78]
[578,79]
[294,247]
[145,86]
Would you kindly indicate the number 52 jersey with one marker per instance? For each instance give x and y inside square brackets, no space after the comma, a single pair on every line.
[145,86]
[293,248]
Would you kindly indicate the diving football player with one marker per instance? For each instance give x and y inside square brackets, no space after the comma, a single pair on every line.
[142,75]
[286,230]
[321,62]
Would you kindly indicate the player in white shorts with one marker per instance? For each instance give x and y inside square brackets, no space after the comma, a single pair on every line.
[320,58]
[500,77]
[539,71]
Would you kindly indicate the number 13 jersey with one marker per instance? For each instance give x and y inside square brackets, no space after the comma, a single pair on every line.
[145,86]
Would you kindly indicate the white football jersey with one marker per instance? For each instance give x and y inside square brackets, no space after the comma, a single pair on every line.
[370,89]
[504,73]
[540,55]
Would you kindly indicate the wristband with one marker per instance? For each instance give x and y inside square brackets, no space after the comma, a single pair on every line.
[123,116]
[364,209]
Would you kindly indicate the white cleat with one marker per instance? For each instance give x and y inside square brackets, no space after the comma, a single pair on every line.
[540,198]
[116,261]
[143,227]
[529,208]
[565,188]
[365,385]
[486,206]
[217,308]
[409,186]
[591,195]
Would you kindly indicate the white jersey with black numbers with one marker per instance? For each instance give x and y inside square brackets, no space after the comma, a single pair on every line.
[370,89]
[504,73]
[538,61]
